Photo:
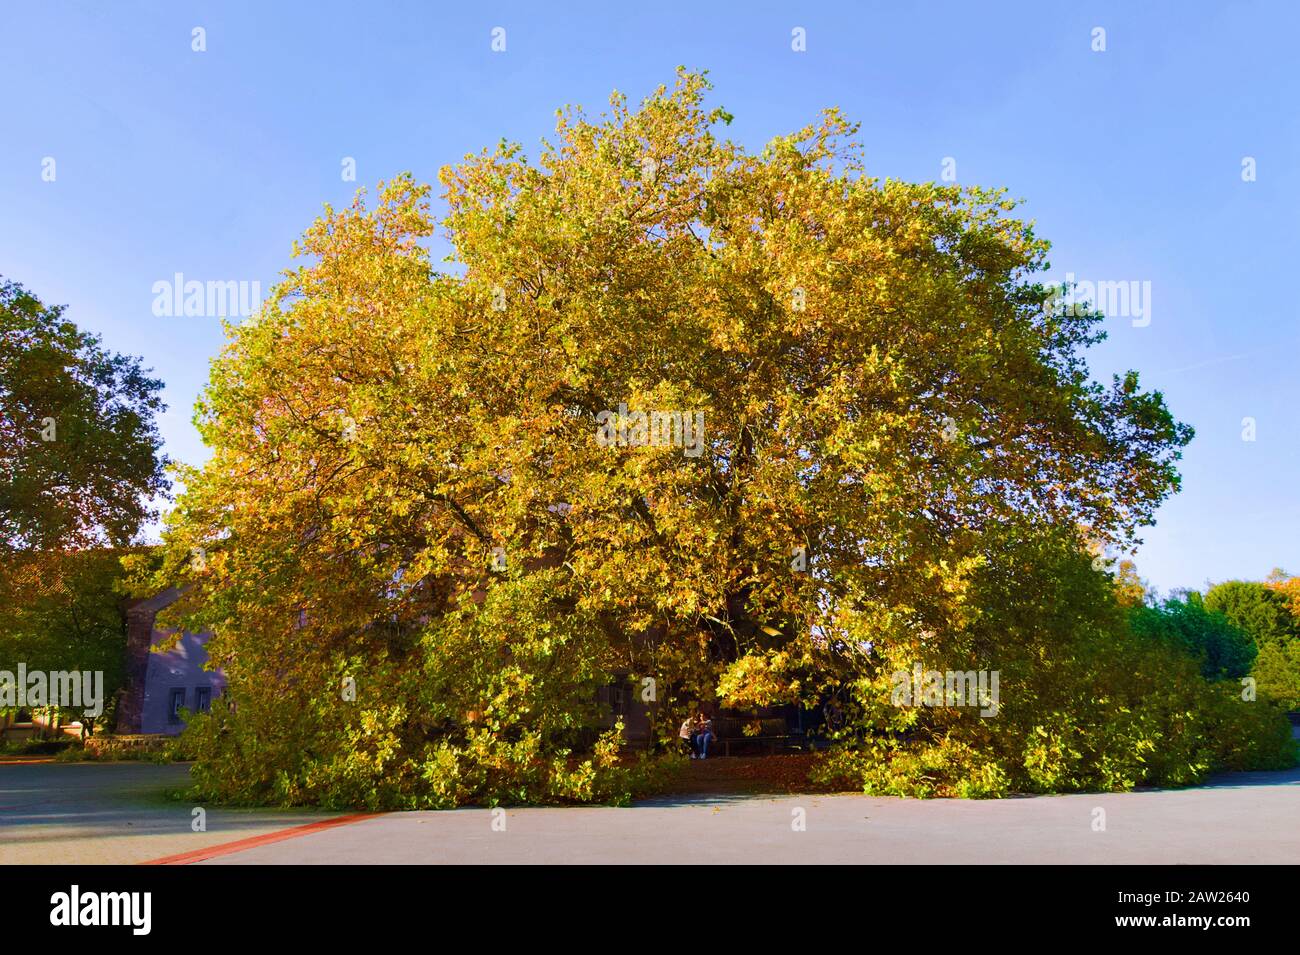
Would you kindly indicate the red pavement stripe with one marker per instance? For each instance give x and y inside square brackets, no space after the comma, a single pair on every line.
[226,848]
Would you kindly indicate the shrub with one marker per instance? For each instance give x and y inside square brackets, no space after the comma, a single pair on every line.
[1223,649]
[38,747]
[1277,671]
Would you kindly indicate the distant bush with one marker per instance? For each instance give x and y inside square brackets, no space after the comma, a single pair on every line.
[1223,650]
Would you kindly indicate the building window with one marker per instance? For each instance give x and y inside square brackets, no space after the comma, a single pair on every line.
[175,703]
[202,699]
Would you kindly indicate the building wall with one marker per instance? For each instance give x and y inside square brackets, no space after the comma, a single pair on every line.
[179,669]
[622,701]
[139,635]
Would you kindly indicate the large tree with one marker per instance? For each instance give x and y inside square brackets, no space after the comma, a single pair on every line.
[889,401]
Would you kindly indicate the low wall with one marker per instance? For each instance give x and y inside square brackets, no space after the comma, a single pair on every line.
[128,745]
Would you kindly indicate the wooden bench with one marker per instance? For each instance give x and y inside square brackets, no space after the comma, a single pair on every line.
[773,734]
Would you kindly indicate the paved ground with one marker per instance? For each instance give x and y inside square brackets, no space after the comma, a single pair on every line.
[115,812]
[84,813]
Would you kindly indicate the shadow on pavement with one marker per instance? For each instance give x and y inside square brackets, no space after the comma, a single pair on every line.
[49,803]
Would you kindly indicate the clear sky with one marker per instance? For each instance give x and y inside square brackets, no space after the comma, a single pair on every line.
[1131,160]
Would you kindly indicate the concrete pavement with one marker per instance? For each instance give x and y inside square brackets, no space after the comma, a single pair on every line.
[116,812]
[1250,818]
[113,812]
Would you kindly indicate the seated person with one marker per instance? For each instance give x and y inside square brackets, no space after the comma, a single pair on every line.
[703,735]
[687,735]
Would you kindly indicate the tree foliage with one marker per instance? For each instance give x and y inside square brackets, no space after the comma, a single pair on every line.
[1288,586]
[79,449]
[1223,649]
[1085,703]
[79,467]
[1130,589]
[407,485]
[64,613]
[1270,613]
[1262,611]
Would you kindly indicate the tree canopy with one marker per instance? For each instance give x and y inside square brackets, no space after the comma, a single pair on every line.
[1224,650]
[79,448]
[413,482]
[1278,667]
[1262,611]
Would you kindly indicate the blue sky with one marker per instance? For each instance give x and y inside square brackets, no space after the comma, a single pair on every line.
[211,163]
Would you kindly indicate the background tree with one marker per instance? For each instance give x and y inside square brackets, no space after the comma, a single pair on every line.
[1278,667]
[1288,586]
[70,619]
[79,466]
[1222,649]
[1130,589]
[1268,612]
[1261,611]
[79,459]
